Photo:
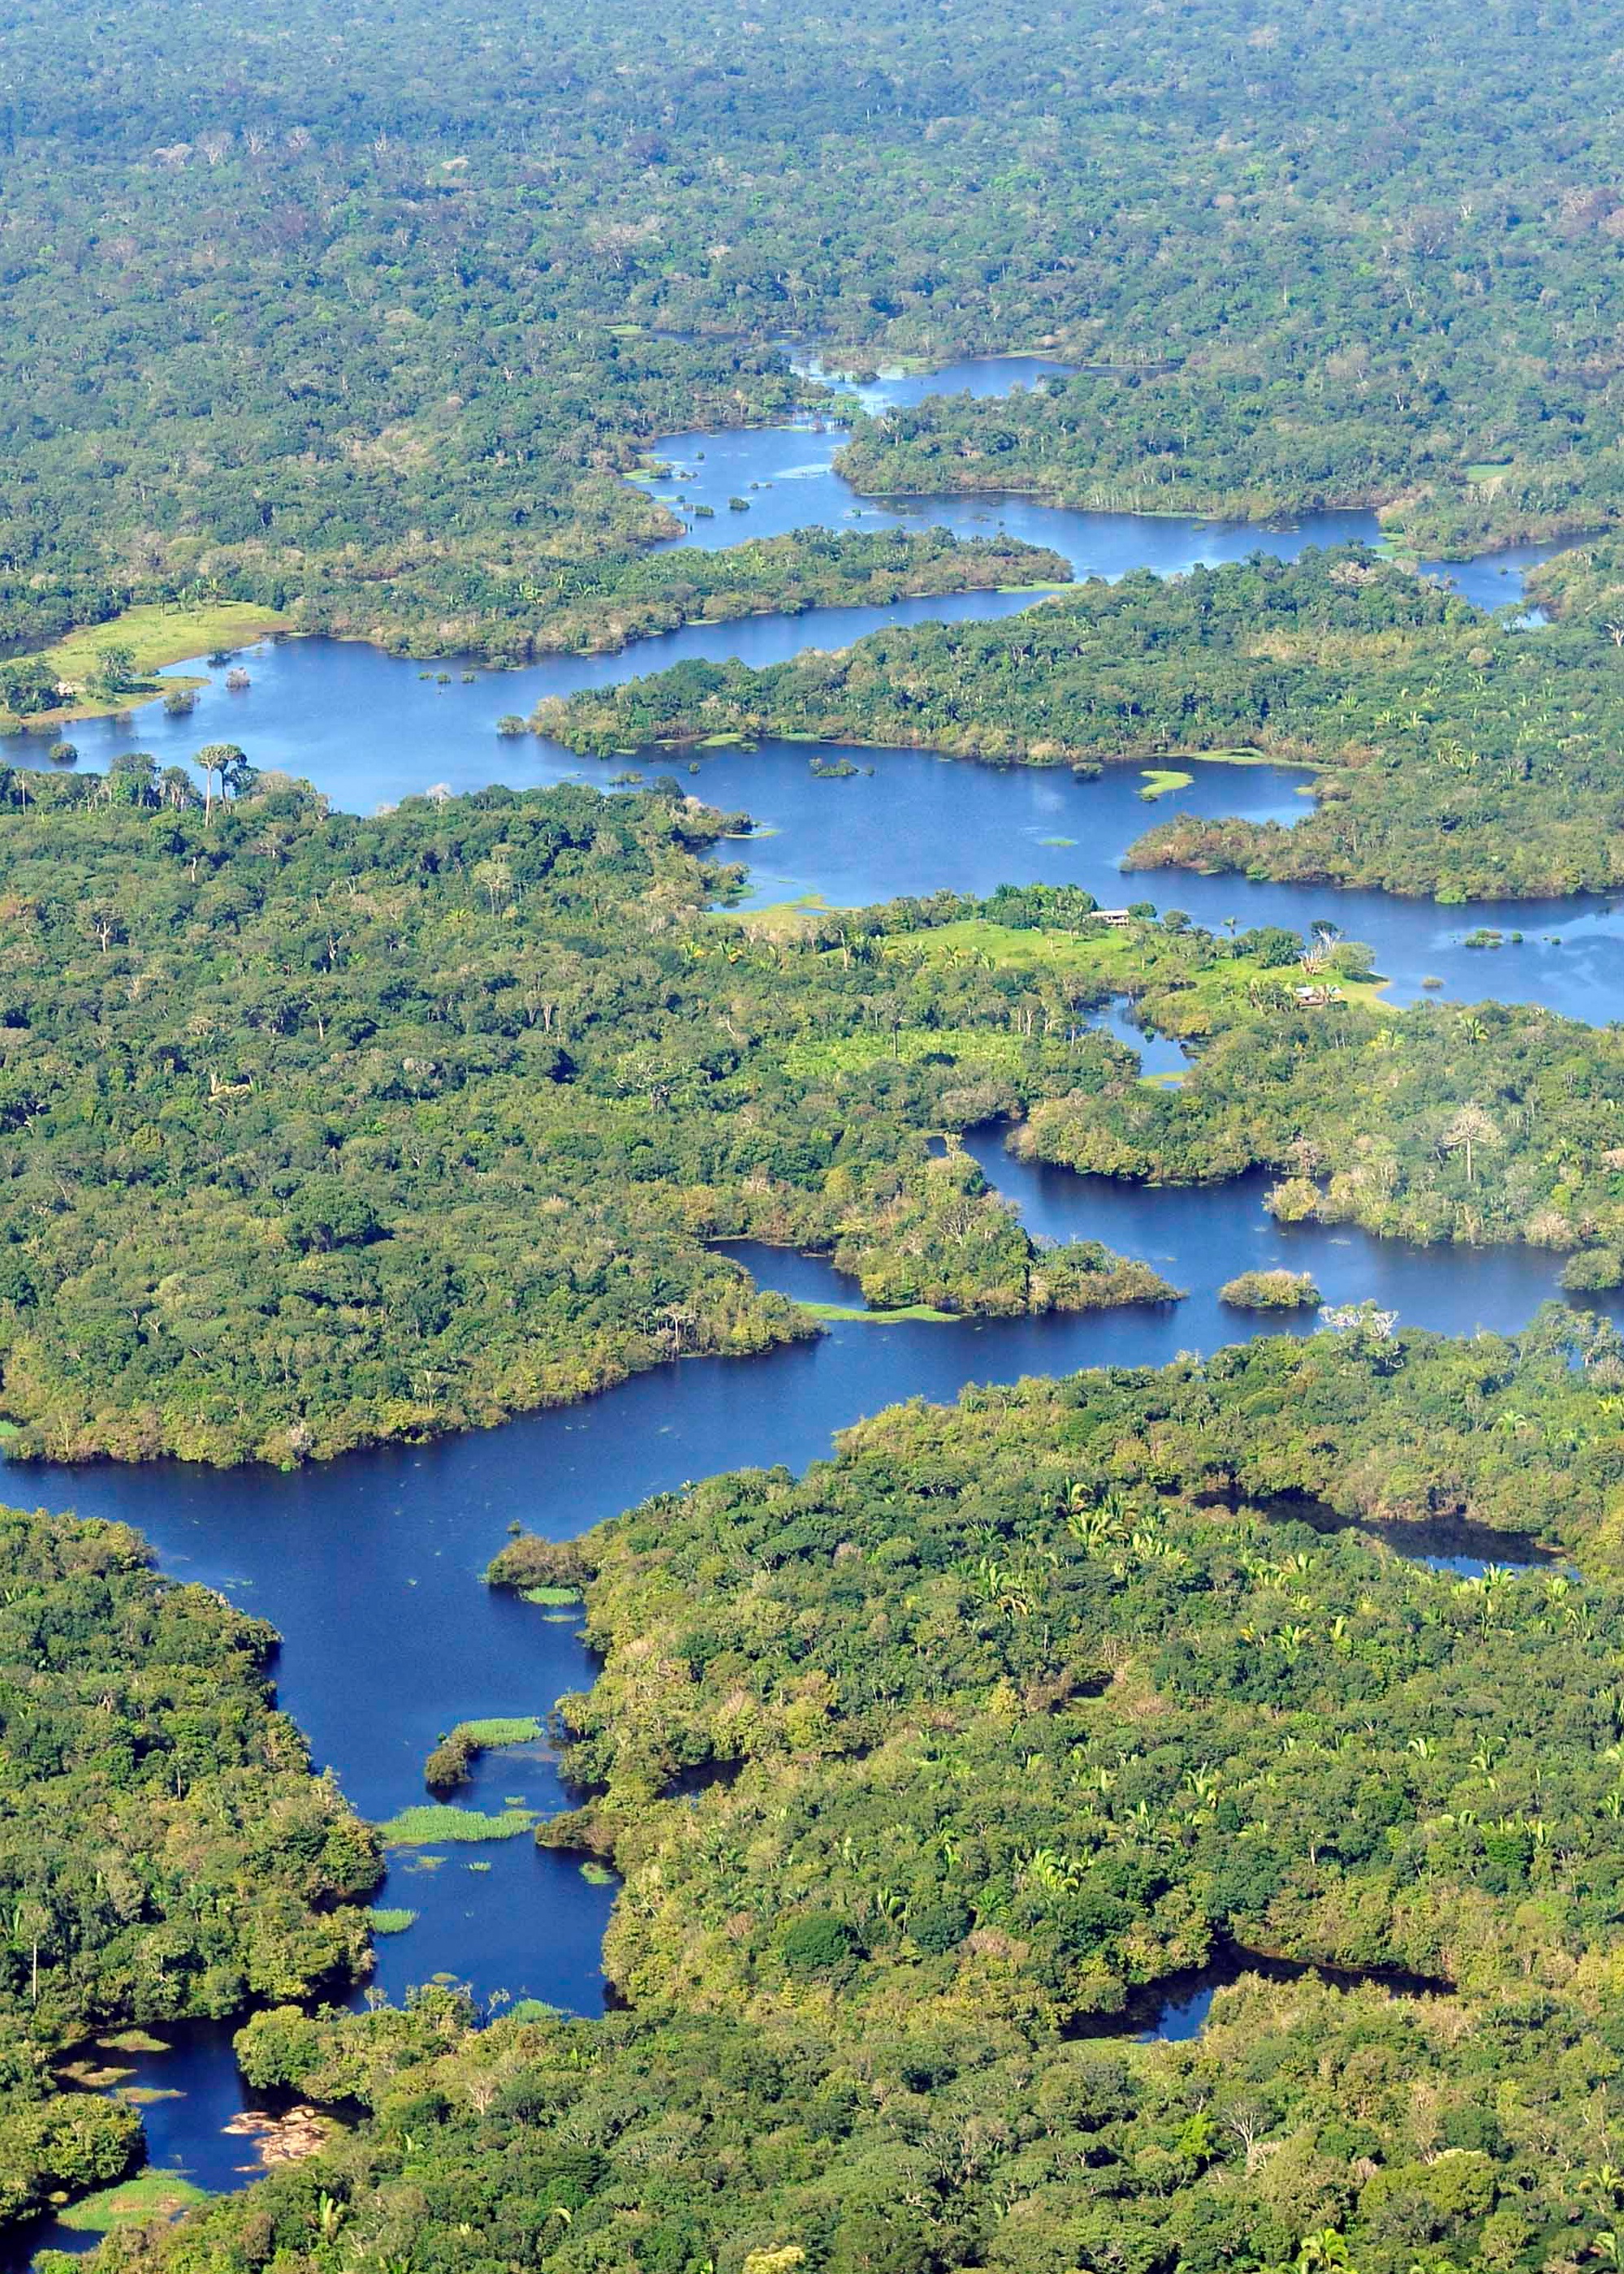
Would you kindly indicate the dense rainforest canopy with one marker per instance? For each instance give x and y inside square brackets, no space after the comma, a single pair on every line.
[1009,1711]
[930,1773]
[321,1131]
[1437,1122]
[165,1853]
[366,319]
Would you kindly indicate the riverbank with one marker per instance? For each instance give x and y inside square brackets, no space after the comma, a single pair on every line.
[155,636]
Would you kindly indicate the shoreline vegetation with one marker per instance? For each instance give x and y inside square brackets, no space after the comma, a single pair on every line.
[924,1772]
[653,1077]
[339,1069]
[1456,754]
[166,1852]
[588,609]
[491,332]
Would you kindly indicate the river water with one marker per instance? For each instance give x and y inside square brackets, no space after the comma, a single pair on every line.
[370,1566]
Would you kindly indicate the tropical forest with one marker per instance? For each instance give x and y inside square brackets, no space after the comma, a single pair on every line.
[812,1139]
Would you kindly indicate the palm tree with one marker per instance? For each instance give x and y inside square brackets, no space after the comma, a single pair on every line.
[230,763]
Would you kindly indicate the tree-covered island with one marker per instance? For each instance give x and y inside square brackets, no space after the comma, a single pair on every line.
[1457,754]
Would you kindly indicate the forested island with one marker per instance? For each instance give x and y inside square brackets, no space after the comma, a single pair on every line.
[1456,754]
[165,1853]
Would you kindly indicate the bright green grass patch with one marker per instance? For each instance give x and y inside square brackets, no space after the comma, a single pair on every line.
[1488,470]
[597,1875]
[143,2095]
[157,636]
[387,1919]
[132,2041]
[150,2194]
[732,741]
[1114,961]
[504,1730]
[427,1826]
[1113,955]
[1161,781]
[1057,840]
[551,1596]
[915,1311]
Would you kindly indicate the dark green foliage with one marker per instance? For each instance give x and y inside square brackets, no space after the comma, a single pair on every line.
[165,1852]
[1432,1122]
[367,324]
[315,1130]
[1037,1703]
[818,1944]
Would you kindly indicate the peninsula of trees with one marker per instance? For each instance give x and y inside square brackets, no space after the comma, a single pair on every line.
[320,1131]
[1457,754]
[165,1854]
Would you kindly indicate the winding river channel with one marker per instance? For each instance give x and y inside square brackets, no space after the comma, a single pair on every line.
[370,1566]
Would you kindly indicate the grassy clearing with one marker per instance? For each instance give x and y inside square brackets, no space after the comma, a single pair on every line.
[132,2041]
[597,1875]
[915,1312]
[1162,781]
[428,1826]
[157,635]
[1117,960]
[551,1598]
[149,2196]
[1115,955]
[160,636]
